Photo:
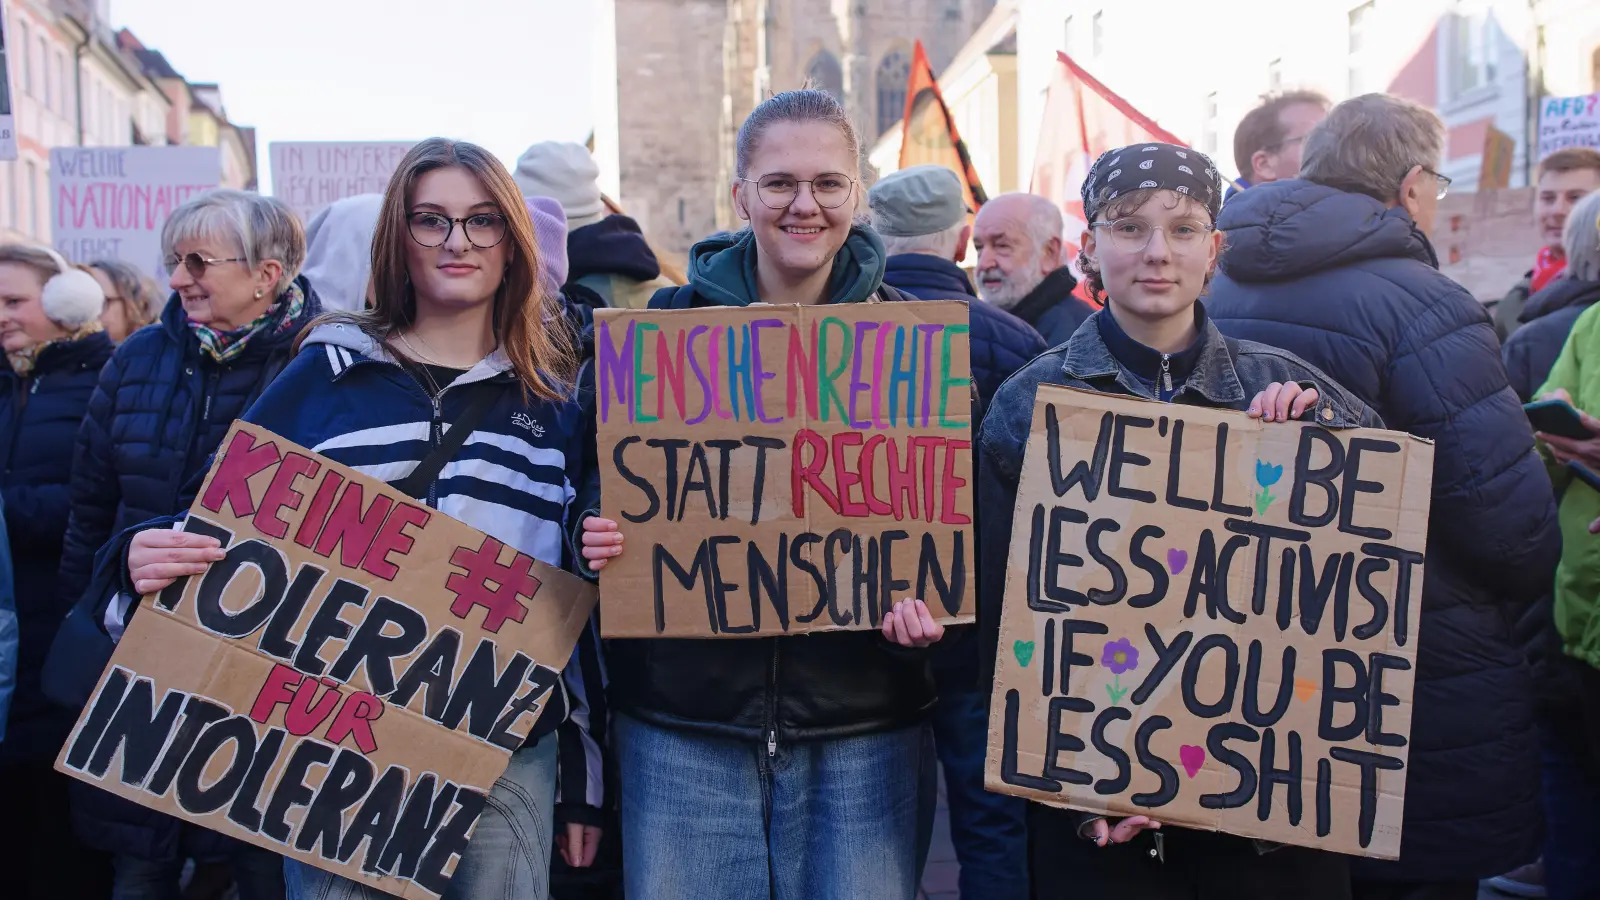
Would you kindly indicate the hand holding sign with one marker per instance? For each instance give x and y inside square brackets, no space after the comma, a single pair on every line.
[159,557]
[601,541]
[1101,831]
[1282,402]
[909,624]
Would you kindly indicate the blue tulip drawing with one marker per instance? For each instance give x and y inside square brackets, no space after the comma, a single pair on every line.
[1267,475]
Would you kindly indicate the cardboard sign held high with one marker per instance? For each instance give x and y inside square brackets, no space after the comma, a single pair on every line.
[305,696]
[1212,621]
[784,469]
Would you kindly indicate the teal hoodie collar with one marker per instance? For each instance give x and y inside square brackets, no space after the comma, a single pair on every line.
[722,268]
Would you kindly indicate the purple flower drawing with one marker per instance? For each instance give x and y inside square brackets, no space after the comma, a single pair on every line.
[1119,656]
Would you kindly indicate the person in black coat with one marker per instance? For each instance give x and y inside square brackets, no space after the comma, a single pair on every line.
[1337,268]
[54,347]
[1548,316]
[162,405]
[1021,268]
[921,214]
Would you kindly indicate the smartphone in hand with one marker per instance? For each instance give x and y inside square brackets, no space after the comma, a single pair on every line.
[1557,417]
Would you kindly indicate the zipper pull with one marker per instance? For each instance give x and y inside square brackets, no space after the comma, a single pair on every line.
[772,743]
[35,388]
[1166,373]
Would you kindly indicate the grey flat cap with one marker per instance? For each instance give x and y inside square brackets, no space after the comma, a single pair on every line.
[917,201]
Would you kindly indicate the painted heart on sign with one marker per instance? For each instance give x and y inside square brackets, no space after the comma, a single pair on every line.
[1024,652]
[1193,758]
[1177,559]
[1304,689]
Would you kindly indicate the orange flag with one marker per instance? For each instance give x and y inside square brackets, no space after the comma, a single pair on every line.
[928,134]
[1082,119]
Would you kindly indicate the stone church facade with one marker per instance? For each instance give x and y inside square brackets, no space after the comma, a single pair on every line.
[687,72]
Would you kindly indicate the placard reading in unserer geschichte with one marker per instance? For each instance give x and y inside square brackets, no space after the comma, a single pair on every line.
[1212,621]
[784,469]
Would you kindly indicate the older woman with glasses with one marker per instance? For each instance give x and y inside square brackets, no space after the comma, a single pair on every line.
[162,406]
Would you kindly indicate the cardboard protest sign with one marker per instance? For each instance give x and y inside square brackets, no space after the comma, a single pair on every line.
[784,469]
[346,686]
[1569,122]
[111,202]
[1212,621]
[309,175]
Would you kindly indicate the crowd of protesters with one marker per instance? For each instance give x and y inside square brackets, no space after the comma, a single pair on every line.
[806,766]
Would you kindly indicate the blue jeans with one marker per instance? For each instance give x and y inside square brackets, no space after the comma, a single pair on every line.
[257,872]
[1571,810]
[989,831]
[509,855]
[718,819]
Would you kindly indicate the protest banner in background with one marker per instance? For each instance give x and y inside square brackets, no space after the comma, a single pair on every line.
[111,202]
[1212,621]
[928,133]
[302,696]
[8,122]
[309,175]
[1569,122]
[784,469]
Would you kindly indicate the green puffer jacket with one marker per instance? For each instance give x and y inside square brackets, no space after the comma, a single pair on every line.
[1577,371]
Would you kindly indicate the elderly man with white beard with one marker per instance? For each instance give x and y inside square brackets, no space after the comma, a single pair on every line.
[1020,265]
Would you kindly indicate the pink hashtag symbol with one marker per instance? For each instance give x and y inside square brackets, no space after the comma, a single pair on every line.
[482,569]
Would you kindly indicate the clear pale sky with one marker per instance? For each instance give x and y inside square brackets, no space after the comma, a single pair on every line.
[500,73]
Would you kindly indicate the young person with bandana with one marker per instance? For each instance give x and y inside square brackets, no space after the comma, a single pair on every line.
[1149,251]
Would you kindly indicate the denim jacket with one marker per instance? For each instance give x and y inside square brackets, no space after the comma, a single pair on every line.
[1227,374]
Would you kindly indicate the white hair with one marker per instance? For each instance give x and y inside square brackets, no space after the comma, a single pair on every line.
[1581,238]
[259,228]
[1043,221]
[942,244]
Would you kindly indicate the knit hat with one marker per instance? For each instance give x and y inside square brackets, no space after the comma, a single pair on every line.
[72,299]
[550,233]
[566,172]
[339,251]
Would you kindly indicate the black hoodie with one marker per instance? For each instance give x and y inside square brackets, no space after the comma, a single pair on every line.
[1546,319]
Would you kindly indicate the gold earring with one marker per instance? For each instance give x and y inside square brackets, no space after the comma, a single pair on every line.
[258,295]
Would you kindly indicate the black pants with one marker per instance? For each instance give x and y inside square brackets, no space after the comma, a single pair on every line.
[1410,890]
[1199,865]
[40,857]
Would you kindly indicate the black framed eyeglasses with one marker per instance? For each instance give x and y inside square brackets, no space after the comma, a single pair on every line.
[1286,142]
[831,190]
[1444,181]
[196,265]
[431,229]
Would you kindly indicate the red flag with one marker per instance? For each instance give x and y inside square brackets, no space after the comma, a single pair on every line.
[1082,119]
[928,134]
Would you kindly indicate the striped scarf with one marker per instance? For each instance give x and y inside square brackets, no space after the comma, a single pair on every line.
[223,346]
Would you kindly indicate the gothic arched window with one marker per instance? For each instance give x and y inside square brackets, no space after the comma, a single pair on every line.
[825,74]
[893,73]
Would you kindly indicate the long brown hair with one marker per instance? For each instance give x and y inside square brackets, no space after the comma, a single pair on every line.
[528,322]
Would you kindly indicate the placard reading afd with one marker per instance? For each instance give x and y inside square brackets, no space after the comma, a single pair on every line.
[346,686]
[783,469]
[1212,621]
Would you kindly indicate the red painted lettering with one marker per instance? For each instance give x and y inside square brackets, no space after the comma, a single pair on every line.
[903,480]
[351,530]
[274,692]
[869,473]
[843,478]
[803,473]
[948,514]
[317,513]
[393,539]
[355,719]
[231,482]
[282,495]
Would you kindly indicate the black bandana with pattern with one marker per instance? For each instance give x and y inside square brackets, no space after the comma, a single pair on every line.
[1162,166]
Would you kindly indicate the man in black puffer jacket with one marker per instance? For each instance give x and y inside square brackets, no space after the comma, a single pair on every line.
[921,214]
[1337,269]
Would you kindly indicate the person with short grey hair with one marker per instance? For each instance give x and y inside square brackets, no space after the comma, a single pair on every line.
[1336,267]
[162,406]
[1021,266]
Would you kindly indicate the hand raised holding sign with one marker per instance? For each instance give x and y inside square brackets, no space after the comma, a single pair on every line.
[1282,402]
[159,557]
[1101,831]
[601,541]
[909,624]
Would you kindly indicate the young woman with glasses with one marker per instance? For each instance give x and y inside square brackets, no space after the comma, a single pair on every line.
[1149,251]
[789,767]
[460,327]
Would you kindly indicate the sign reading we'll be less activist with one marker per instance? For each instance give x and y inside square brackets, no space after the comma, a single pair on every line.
[305,696]
[784,469]
[1212,621]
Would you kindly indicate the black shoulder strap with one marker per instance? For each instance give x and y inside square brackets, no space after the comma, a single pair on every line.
[417,483]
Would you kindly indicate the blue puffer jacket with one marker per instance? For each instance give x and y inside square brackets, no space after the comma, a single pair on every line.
[161,408]
[1354,289]
[39,417]
[1001,343]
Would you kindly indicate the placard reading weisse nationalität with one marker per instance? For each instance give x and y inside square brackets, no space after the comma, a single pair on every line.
[1212,621]
[346,686]
[784,469]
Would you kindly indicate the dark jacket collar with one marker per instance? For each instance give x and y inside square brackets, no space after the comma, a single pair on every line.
[1145,362]
[910,271]
[1054,289]
[90,351]
[612,246]
[1212,375]
[1558,295]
